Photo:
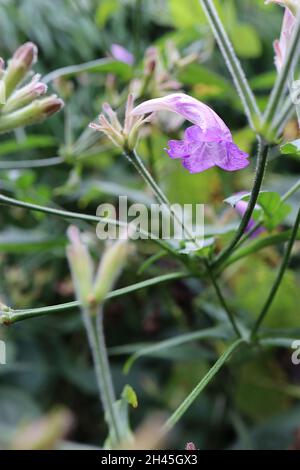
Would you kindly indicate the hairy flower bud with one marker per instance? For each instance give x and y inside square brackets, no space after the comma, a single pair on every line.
[20,64]
[110,267]
[125,137]
[25,95]
[34,112]
[81,266]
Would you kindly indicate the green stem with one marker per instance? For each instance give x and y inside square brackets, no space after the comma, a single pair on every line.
[136,161]
[23,164]
[282,116]
[201,386]
[222,300]
[291,191]
[263,150]
[279,277]
[13,316]
[233,64]
[248,235]
[78,216]
[97,65]
[282,78]
[94,328]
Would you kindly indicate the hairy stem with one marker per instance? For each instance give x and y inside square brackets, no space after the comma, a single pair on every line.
[177,415]
[94,328]
[222,300]
[9,316]
[263,150]
[233,64]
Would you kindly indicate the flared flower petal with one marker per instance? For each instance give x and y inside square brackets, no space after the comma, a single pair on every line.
[207,143]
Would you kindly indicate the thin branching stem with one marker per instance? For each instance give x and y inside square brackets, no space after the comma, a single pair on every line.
[185,405]
[233,64]
[263,150]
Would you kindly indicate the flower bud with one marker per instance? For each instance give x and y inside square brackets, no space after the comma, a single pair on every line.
[111,265]
[190,446]
[81,266]
[25,95]
[20,64]
[35,112]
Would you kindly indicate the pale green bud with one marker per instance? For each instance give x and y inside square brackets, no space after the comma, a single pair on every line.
[110,267]
[81,266]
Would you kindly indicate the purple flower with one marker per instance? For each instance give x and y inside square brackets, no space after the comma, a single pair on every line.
[207,143]
[123,55]
[241,207]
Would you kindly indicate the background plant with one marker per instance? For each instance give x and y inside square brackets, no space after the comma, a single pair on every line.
[84,170]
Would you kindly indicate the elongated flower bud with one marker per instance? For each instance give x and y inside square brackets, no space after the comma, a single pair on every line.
[81,266]
[19,65]
[111,265]
[25,95]
[35,112]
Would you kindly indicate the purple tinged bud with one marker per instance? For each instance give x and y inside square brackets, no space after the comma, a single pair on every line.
[190,446]
[25,95]
[240,208]
[26,54]
[34,112]
[50,105]
[121,54]
[19,65]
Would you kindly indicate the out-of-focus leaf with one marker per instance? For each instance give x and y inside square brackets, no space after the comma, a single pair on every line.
[95,66]
[251,288]
[31,142]
[253,380]
[291,147]
[13,240]
[206,83]
[105,10]
[264,81]
[186,14]
[246,41]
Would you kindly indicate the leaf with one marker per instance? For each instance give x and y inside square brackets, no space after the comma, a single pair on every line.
[260,244]
[31,142]
[120,69]
[246,41]
[186,14]
[206,83]
[274,209]
[130,396]
[14,240]
[105,11]
[291,147]
[259,380]
[264,81]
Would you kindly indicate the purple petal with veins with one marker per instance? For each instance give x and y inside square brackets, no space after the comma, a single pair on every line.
[207,143]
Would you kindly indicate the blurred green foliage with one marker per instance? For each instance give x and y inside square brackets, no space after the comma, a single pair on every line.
[253,402]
